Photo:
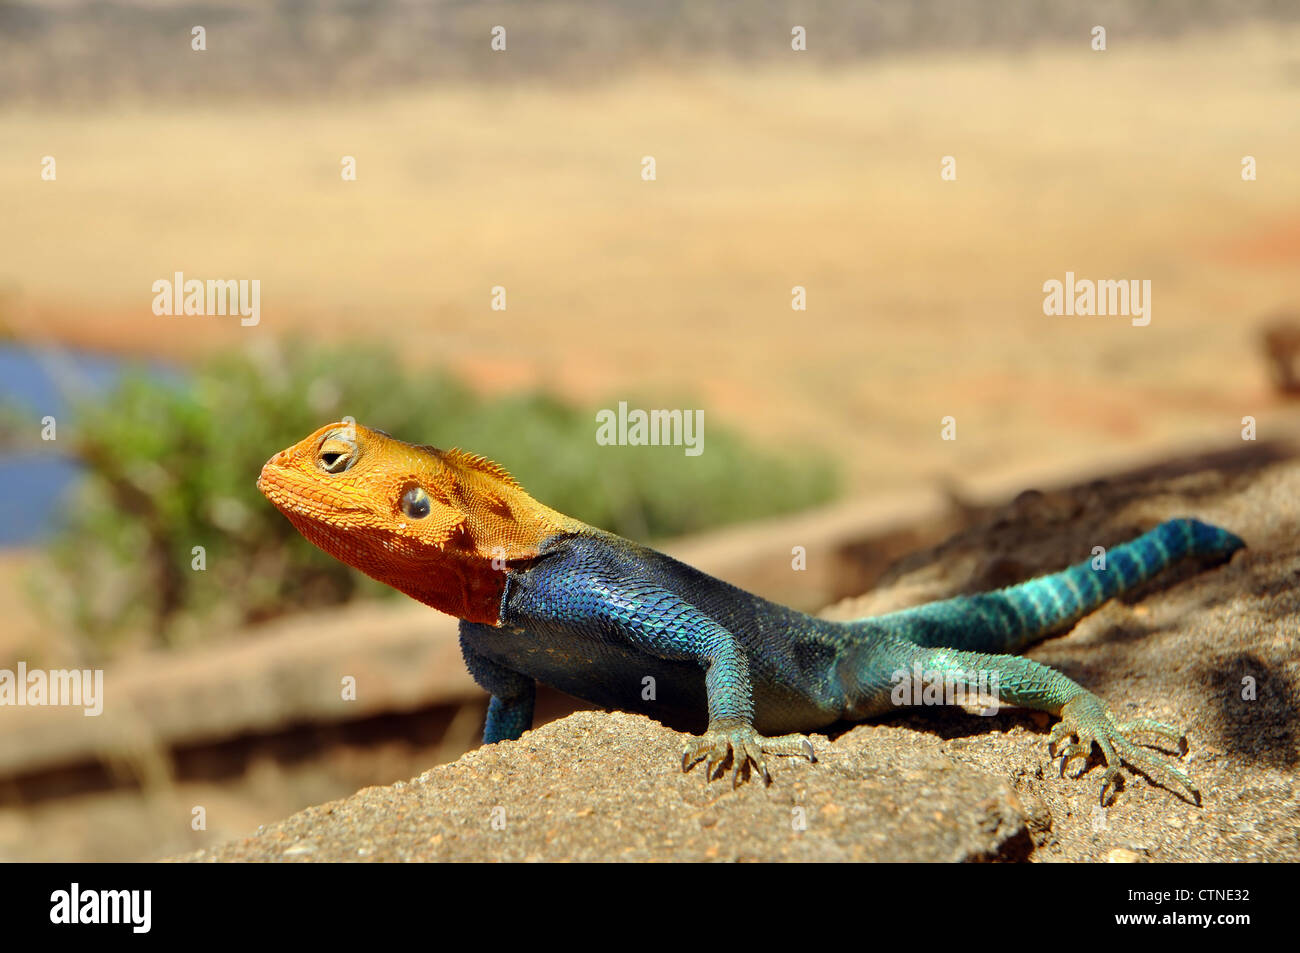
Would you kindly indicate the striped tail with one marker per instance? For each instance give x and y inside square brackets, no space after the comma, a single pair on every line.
[1007,620]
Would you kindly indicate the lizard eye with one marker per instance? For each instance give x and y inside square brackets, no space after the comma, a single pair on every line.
[415,503]
[335,455]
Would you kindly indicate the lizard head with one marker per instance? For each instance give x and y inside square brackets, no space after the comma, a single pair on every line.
[441,526]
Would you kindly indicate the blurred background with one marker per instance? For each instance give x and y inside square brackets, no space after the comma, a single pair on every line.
[522,169]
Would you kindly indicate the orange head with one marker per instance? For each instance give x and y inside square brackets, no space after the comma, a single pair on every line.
[440,525]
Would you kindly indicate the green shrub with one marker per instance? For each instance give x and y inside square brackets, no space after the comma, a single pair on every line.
[171,466]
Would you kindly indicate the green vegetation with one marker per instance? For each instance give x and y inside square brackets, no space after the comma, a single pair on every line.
[172,467]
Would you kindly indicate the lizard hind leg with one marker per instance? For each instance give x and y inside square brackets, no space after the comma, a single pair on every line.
[744,746]
[1086,719]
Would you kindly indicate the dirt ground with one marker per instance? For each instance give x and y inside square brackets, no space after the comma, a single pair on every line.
[924,296]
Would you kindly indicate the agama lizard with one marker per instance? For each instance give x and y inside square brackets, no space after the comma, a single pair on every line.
[543,597]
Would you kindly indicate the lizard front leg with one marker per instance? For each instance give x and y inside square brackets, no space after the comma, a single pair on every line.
[731,717]
[659,623]
[662,623]
[510,712]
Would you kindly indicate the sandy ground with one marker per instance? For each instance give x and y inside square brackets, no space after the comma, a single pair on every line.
[924,296]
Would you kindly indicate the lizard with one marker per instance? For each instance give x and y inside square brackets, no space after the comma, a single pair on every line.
[543,597]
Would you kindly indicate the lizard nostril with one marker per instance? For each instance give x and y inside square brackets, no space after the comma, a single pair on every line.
[281,459]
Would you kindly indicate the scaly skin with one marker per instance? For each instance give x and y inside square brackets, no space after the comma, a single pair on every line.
[546,598]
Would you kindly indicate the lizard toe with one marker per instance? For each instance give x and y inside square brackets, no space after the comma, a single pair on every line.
[1152,727]
[746,749]
[1072,751]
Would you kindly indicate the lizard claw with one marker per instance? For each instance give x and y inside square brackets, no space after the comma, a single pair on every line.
[1086,719]
[745,747]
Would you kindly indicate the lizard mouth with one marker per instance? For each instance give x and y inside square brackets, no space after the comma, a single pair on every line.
[277,485]
[269,481]
[273,473]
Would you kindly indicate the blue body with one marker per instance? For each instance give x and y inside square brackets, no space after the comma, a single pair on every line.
[626,627]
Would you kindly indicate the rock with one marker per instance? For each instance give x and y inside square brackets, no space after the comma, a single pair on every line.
[599,786]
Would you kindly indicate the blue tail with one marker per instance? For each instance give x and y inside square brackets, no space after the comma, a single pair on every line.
[1007,620]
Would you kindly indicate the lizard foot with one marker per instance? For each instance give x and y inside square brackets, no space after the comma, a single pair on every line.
[744,746]
[1086,719]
